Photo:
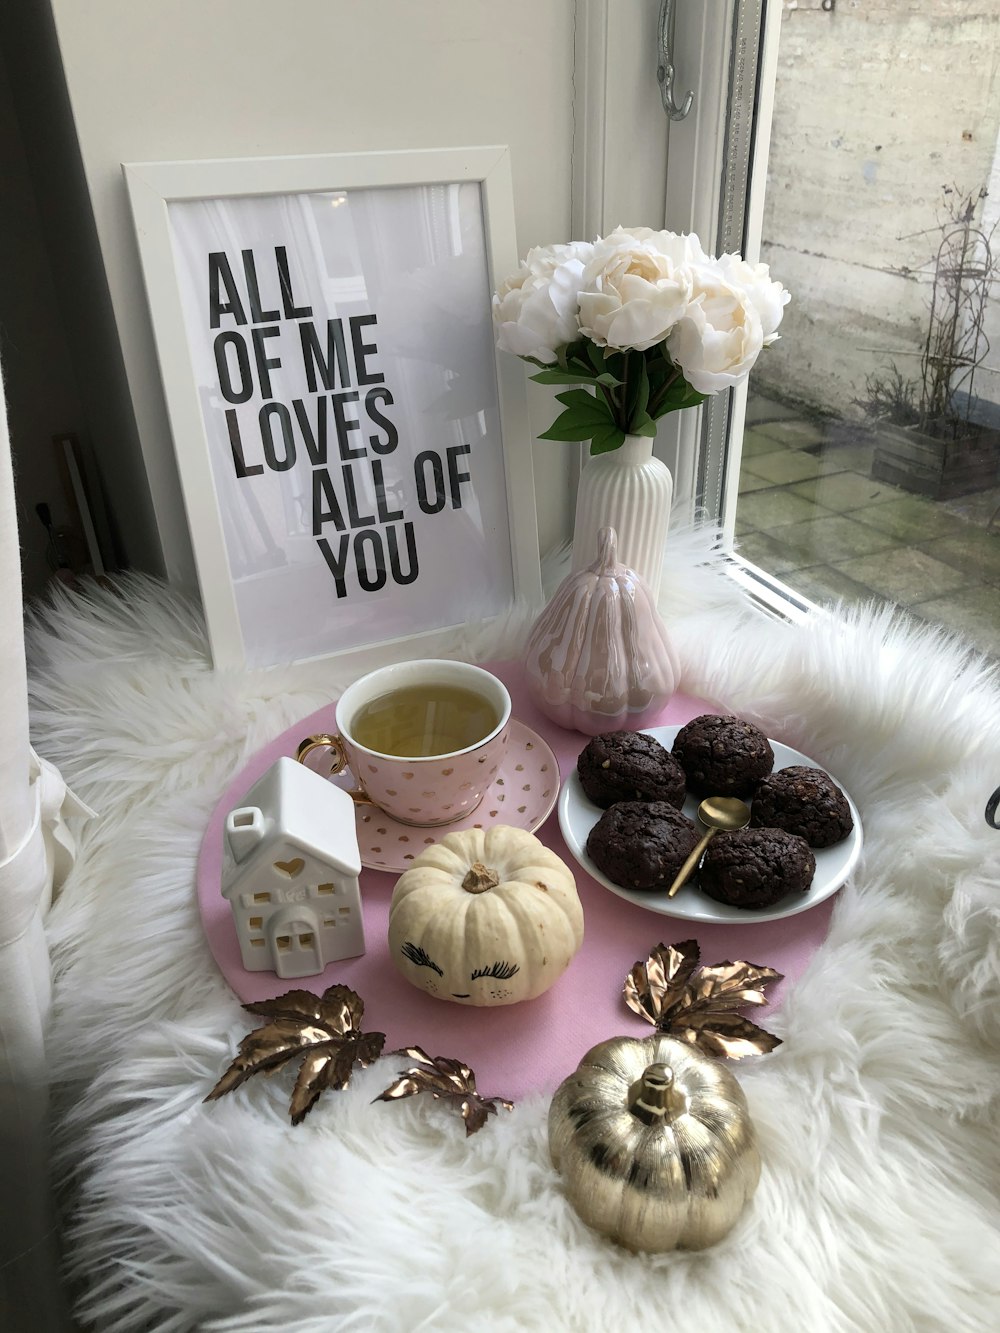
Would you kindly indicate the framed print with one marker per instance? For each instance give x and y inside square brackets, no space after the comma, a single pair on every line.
[354,457]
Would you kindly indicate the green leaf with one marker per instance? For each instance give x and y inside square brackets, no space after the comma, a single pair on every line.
[579,422]
[586,402]
[644,425]
[567,428]
[610,437]
[596,356]
[638,390]
[575,351]
[678,396]
[617,364]
[550,376]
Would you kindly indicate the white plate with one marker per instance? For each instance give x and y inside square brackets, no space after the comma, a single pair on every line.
[578,815]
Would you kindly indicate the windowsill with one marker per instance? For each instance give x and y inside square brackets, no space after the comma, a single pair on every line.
[769,593]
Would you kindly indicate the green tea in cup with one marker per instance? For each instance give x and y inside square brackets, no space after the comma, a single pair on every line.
[419,720]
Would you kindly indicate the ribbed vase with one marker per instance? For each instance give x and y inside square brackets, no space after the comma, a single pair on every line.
[629,490]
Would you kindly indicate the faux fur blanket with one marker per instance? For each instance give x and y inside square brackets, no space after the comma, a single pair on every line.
[878,1205]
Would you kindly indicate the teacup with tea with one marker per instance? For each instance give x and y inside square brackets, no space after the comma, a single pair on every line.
[424,740]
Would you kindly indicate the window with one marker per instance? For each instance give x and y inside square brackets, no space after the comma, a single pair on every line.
[863,464]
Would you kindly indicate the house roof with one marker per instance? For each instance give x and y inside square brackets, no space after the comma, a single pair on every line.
[300,810]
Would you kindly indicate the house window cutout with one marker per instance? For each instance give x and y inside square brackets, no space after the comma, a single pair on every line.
[345,911]
[262,897]
[284,941]
[290,868]
[330,921]
[256,923]
[326,888]
[305,941]
[257,944]
[243,819]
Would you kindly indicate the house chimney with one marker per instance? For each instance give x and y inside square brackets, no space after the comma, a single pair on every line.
[244,830]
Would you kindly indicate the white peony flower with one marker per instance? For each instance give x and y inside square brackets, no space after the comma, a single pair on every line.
[636,287]
[768,297]
[720,335]
[535,309]
[684,246]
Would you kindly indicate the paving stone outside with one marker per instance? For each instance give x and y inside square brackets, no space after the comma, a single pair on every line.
[846,458]
[784,466]
[982,509]
[748,482]
[845,492]
[939,560]
[796,433]
[832,538]
[826,583]
[905,575]
[971,611]
[912,519]
[766,510]
[760,548]
[755,444]
[975,552]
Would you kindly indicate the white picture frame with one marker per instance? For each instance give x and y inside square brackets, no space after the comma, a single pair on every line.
[426,236]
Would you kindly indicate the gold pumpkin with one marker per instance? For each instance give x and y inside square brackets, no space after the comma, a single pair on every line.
[485,917]
[654,1143]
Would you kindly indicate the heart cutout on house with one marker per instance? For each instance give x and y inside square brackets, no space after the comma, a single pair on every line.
[290,868]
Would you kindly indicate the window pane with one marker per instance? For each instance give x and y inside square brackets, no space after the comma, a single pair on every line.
[878,217]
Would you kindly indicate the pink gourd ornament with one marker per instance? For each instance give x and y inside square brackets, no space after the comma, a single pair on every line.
[598,658]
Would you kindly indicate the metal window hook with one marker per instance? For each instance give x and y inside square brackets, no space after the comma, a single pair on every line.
[665,67]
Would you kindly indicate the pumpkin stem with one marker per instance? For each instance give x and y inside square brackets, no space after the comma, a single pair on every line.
[607,550]
[653,1097]
[480,878]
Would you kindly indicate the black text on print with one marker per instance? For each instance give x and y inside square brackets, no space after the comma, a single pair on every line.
[341,430]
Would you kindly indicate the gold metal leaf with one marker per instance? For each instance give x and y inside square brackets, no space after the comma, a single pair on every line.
[699,1004]
[324,1031]
[446,1080]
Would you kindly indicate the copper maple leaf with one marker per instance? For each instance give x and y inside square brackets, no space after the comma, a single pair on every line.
[323,1030]
[447,1080]
[698,1004]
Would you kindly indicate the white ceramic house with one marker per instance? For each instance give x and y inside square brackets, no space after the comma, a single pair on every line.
[290,871]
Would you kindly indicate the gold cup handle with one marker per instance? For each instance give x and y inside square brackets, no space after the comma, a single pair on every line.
[324,742]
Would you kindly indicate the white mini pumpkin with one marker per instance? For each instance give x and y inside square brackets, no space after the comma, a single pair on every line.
[485,917]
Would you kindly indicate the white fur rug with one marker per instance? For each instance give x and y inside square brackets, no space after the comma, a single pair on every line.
[878,1206]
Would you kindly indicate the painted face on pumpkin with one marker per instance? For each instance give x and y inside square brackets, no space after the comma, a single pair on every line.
[481,985]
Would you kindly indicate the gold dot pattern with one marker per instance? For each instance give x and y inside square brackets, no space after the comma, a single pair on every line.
[387,844]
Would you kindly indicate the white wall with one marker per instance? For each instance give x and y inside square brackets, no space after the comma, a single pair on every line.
[243,78]
[878,105]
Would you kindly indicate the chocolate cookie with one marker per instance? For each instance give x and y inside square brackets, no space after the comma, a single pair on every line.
[723,756]
[805,801]
[756,867]
[630,766]
[642,844]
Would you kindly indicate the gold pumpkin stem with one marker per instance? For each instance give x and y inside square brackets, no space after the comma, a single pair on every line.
[480,878]
[653,1097]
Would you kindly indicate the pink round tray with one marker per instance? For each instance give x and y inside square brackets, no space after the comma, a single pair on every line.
[519,1048]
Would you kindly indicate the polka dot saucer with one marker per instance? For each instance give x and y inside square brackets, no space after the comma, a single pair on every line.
[522,794]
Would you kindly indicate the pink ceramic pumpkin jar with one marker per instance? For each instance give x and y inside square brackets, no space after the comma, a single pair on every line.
[599,658]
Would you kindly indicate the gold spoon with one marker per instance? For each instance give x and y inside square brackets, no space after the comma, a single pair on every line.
[715,812]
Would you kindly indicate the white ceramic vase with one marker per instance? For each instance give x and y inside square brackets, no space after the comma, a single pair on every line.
[629,490]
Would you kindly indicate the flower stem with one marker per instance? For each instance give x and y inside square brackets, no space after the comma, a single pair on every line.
[658,400]
[623,423]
